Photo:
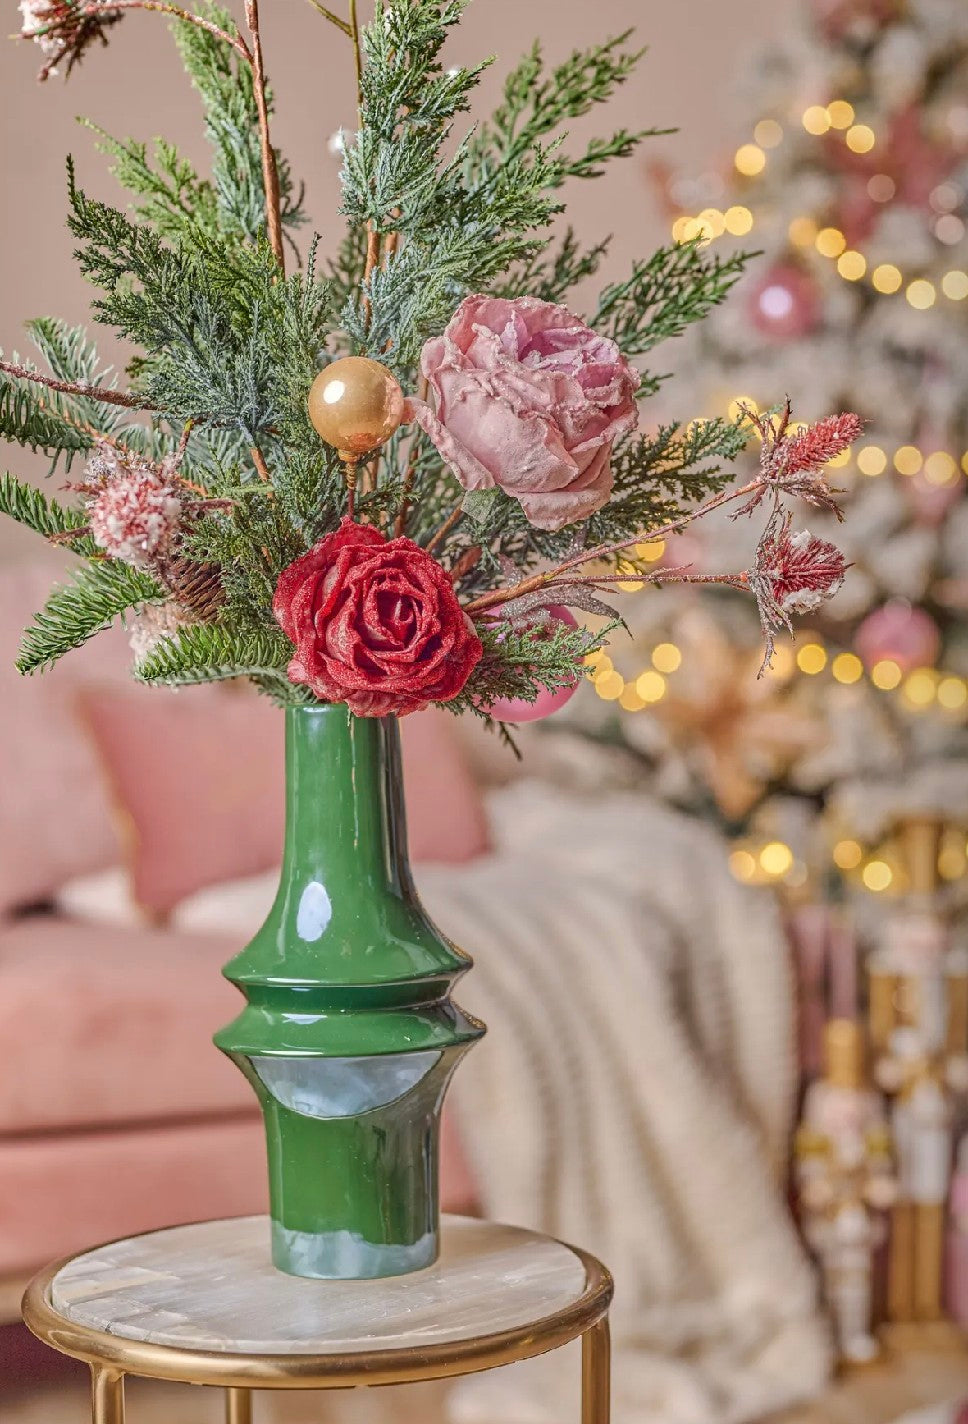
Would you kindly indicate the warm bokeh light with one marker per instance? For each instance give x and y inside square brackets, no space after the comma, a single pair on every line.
[886,278]
[848,854]
[921,294]
[955,285]
[881,188]
[877,875]
[598,659]
[847,668]
[940,468]
[840,114]
[802,232]
[908,460]
[886,675]
[949,229]
[816,120]
[920,687]
[742,864]
[666,657]
[872,460]
[750,160]
[739,405]
[738,220]
[776,858]
[630,701]
[768,133]
[830,242]
[952,693]
[852,265]
[651,686]
[812,658]
[860,139]
[609,685]
[712,223]
[650,552]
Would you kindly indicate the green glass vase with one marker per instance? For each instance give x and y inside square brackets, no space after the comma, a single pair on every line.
[349,1035]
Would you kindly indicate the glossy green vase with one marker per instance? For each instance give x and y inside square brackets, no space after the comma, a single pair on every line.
[349,1036]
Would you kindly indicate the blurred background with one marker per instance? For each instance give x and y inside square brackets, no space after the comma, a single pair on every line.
[753,891]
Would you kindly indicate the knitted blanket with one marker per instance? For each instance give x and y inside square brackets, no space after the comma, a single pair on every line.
[634,1095]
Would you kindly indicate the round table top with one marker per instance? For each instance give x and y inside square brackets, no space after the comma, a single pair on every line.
[204,1303]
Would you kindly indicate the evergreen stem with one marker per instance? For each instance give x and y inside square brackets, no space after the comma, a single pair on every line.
[408,480]
[327,14]
[70,388]
[551,576]
[270,169]
[444,530]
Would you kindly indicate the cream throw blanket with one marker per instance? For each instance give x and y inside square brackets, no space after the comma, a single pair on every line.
[633,1095]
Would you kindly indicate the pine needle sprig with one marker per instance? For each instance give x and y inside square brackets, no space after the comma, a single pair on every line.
[666,293]
[45,516]
[74,612]
[213,653]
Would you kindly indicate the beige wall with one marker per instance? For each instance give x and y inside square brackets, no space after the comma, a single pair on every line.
[697,47]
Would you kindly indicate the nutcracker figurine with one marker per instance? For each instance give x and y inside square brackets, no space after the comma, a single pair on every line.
[919,1035]
[846,1183]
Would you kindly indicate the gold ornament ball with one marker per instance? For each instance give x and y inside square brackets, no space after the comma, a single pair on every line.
[355,404]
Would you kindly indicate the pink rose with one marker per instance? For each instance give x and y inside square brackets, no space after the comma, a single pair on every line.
[530,400]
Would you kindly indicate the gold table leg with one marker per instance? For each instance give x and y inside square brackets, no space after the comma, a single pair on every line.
[107,1395]
[238,1406]
[596,1368]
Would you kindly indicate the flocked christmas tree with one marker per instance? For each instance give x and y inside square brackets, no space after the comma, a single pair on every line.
[853,179]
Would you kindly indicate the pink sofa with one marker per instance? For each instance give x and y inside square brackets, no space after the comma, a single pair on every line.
[117,1115]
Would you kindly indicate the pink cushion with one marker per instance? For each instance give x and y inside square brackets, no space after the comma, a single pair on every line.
[63,1194]
[102,1026]
[198,775]
[446,818]
[59,1195]
[55,813]
[199,779]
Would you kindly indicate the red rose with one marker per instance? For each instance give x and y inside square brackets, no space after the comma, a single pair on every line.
[376,624]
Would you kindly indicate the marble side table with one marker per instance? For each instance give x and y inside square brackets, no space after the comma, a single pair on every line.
[203,1305]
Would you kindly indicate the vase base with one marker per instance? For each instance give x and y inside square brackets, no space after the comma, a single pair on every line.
[345,1256]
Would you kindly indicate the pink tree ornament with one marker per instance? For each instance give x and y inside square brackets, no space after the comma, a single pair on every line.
[784,303]
[900,633]
[516,709]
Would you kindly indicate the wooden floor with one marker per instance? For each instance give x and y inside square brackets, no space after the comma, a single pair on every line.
[918,1370]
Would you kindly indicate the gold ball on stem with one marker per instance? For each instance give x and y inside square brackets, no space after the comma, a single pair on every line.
[355,404]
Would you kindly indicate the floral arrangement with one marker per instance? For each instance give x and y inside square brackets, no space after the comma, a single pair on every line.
[384,480]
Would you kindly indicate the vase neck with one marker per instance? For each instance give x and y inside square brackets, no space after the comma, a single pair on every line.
[344,799]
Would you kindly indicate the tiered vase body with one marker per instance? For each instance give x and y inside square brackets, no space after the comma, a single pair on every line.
[349,1035]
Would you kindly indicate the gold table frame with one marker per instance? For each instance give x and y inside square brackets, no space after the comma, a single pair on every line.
[112,1357]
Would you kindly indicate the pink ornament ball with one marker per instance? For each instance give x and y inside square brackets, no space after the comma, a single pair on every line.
[784,303]
[932,503]
[515,709]
[900,633]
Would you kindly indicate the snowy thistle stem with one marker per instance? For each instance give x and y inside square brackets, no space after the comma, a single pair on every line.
[161,8]
[604,551]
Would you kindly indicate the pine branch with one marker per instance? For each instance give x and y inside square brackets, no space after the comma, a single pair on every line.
[226,84]
[174,200]
[32,508]
[664,294]
[537,103]
[213,653]
[74,612]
